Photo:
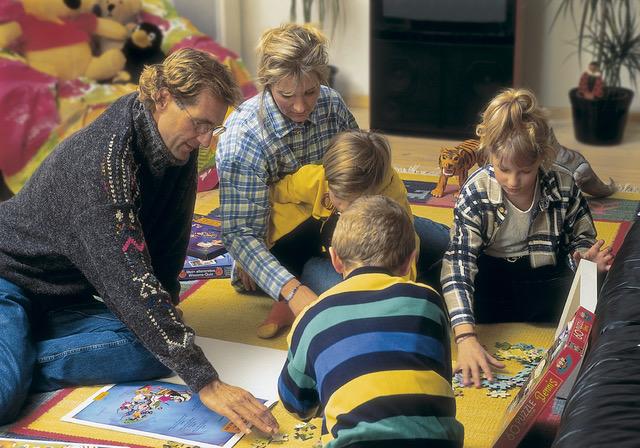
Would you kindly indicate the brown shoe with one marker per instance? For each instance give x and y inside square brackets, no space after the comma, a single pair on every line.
[279,317]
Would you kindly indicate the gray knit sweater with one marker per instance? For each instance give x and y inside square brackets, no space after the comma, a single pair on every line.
[109,213]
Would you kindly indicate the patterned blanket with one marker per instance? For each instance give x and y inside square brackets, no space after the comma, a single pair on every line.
[38,110]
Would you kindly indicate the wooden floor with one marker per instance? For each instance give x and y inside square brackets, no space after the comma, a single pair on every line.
[621,162]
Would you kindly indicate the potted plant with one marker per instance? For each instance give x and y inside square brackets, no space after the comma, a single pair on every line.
[323,5]
[608,32]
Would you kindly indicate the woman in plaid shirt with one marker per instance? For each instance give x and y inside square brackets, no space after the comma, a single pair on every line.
[289,124]
[520,225]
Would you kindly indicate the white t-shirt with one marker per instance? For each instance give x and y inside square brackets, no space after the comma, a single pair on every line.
[511,238]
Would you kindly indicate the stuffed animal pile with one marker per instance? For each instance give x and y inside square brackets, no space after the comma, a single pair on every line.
[62,62]
[54,36]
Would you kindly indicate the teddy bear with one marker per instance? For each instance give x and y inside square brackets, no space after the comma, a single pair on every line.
[54,37]
[124,12]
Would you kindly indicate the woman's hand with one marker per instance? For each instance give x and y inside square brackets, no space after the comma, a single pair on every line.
[602,257]
[472,360]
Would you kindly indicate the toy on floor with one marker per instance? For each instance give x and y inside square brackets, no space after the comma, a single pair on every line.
[54,37]
[586,179]
[456,161]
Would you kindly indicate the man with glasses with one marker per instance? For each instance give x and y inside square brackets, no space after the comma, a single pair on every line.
[202,126]
[108,214]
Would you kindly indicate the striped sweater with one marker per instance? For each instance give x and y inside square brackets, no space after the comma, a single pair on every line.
[372,356]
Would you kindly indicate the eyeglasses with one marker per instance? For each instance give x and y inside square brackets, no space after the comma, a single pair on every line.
[202,128]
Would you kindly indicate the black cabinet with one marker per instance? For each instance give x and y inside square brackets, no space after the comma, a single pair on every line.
[436,83]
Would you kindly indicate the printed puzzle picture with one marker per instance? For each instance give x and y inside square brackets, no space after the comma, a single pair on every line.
[156,409]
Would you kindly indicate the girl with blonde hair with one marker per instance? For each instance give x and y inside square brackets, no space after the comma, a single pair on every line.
[520,226]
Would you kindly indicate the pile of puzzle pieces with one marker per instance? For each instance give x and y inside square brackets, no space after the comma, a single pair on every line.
[302,431]
[526,354]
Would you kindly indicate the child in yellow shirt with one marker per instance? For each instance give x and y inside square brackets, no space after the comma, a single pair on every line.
[356,163]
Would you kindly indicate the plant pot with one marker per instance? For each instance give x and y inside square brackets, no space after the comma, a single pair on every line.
[601,121]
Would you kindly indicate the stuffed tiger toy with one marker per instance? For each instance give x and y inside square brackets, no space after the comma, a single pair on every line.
[457,161]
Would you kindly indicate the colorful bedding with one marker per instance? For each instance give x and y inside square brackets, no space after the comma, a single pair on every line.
[38,111]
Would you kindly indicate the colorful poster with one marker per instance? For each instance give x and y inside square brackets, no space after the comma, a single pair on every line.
[156,409]
[24,443]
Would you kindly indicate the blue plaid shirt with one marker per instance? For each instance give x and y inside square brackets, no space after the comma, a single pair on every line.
[259,148]
[561,222]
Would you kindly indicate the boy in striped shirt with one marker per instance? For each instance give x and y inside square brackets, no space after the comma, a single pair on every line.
[372,354]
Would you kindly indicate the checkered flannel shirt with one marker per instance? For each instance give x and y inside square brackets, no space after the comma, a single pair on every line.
[259,148]
[561,221]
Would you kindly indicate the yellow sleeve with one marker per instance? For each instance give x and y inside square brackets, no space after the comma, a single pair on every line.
[296,198]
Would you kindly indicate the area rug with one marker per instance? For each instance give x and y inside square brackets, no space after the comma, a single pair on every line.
[214,309]
[46,424]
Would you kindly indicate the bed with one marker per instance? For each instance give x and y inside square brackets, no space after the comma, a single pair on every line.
[38,110]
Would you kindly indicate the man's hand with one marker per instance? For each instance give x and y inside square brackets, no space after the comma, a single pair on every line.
[303,297]
[239,406]
[602,257]
[247,281]
[473,359]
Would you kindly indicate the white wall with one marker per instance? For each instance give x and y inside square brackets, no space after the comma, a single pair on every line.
[202,13]
[348,50]
[549,64]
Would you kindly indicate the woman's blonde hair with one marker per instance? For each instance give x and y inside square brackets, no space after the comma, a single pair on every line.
[515,128]
[291,50]
[185,74]
[356,163]
[374,231]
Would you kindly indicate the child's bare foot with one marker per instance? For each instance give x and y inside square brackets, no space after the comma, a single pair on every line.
[279,317]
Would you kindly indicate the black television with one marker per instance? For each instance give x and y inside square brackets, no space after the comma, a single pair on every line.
[445,19]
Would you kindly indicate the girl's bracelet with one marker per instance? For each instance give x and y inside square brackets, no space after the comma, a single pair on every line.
[462,336]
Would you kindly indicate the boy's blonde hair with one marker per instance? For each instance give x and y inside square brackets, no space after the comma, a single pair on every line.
[515,128]
[291,50]
[374,231]
[356,163]
[186,73]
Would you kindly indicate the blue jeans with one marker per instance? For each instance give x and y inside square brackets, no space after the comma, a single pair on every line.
[434,239]
[73,345]
[319,275]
